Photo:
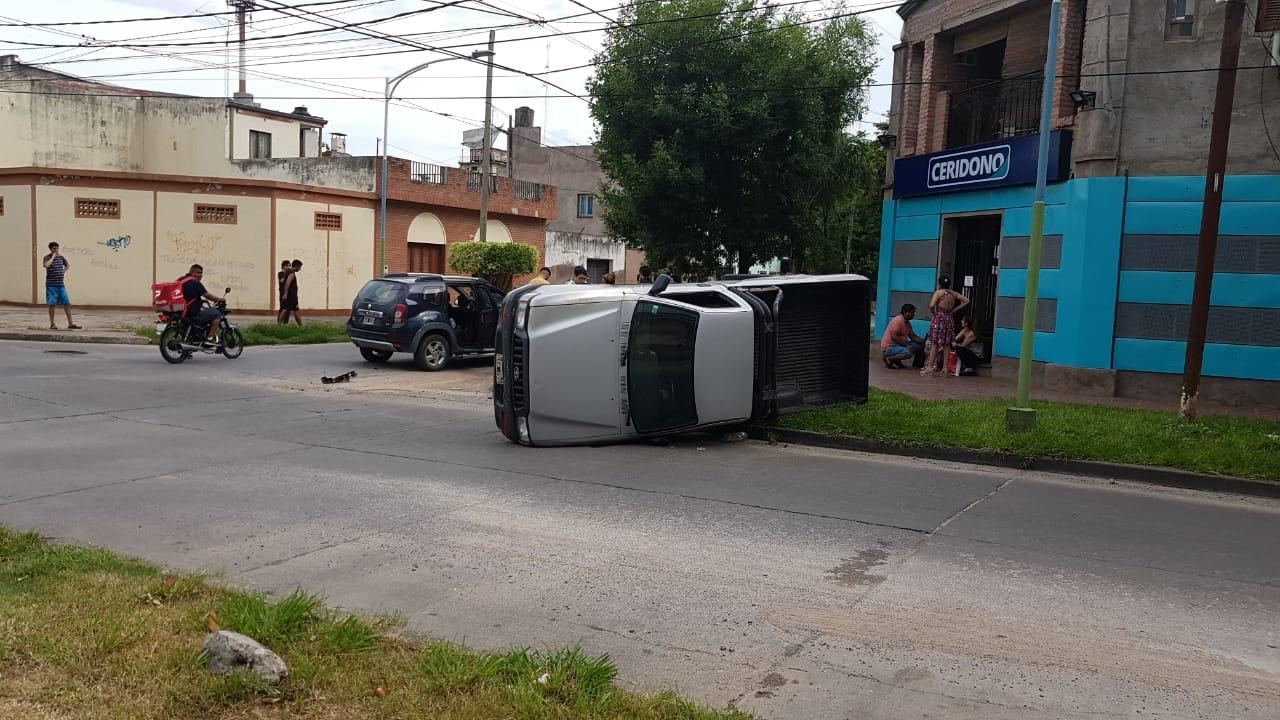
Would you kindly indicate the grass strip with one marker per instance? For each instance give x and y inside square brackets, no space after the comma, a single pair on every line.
[85,633]
[275,334]
[1218,445]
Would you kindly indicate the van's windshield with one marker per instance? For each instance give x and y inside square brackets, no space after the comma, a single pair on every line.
[660,367]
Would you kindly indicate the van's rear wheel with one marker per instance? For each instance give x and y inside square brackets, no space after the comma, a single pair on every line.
[375,355]
[433,353]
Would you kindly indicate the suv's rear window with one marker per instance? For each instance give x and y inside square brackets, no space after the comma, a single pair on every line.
[382,292]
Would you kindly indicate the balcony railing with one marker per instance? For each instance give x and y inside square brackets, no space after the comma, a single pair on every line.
[427,173]
[528,190]
[473,181]
[998,110]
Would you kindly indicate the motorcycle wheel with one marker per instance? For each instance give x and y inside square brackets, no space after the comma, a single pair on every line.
[232,343]
[170,342]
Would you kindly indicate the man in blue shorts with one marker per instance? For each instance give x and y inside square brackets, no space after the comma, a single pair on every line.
[900,342]
[55,286]
[194,292]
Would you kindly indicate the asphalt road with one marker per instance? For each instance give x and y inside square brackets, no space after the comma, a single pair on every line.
[797,583]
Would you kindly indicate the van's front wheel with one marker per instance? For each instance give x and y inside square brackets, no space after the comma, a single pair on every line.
[433,353]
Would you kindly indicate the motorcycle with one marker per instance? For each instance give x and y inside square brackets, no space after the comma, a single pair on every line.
[180,339]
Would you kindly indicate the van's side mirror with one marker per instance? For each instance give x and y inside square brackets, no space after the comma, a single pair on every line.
[660,284]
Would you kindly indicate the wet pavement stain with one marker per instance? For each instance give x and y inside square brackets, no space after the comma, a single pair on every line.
[911,674]
[773,680]
[853,571]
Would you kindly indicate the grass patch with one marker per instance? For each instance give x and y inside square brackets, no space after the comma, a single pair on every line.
[1220,445]
[87,634]
[275,334]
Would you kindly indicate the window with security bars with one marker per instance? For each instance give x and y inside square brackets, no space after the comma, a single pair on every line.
[94,208]
[1268,16]
[216,214]
[328,221]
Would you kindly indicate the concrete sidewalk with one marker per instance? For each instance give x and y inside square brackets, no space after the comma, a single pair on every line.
[984,386]
[102,325]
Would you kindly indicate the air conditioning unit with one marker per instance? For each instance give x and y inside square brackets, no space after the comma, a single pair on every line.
[967,59]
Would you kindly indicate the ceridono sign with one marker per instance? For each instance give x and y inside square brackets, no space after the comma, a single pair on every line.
[988,164]
[1000,163]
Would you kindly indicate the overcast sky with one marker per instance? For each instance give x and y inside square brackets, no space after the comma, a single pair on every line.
[318,70]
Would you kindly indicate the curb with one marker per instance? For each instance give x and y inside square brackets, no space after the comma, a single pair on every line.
[1167,477]
[69,337]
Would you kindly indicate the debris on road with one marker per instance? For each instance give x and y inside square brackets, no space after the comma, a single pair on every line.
[230,651]
[734,437]
[344,377]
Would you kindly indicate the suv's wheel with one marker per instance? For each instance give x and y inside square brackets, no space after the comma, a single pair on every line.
[433,353]
[375,355]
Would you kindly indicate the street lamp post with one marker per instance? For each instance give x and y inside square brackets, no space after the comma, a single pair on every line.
[388,90]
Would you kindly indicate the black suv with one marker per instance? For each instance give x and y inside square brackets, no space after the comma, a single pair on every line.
[435,317]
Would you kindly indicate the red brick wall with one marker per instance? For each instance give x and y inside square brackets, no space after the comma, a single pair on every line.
[458,208]
[923,128]
[455,193]
[1024,48]
[1070,48]
[459,226]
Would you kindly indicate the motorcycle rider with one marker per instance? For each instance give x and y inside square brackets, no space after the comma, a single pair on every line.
[194,292]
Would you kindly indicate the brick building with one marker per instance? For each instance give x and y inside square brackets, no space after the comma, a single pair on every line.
[1129,143]
[136,186]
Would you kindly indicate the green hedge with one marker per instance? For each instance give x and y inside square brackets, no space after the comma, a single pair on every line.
[496,262]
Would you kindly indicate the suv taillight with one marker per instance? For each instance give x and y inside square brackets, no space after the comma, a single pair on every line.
[402,311]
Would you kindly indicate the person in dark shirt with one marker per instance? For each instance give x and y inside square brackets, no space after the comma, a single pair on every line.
[55,286]
[280,282]
[289,298]
[194,292]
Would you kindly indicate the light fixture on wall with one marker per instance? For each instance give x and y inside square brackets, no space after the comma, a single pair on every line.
[888,141]
[1082,99]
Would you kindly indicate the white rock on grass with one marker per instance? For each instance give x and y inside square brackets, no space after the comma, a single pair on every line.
[230,651]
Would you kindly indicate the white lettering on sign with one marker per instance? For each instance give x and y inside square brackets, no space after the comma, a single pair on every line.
[969,166]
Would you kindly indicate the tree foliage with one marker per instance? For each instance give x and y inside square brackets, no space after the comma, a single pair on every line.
[496,262]
[722,129]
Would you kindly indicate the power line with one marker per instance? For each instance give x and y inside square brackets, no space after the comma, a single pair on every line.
[20,23]
[260,38]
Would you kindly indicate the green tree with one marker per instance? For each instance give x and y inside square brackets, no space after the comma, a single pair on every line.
[496,262]
[837,225]
[722,128]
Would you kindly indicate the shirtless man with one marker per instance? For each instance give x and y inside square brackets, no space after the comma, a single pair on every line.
[943,307]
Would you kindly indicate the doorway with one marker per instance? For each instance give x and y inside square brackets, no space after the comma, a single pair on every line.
[426,258]
[970,254]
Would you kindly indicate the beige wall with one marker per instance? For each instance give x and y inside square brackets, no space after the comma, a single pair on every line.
[15,244]
[111,259]
[344,257]
[236,256]
[286,135]
[15,118]
[149,134]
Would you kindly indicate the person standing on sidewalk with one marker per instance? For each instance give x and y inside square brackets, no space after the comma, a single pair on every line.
[55,286]
[289,303]
[943,307]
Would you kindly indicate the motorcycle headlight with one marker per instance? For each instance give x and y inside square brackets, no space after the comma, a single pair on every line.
[522,312]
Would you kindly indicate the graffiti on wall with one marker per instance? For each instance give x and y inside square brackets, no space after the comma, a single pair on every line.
[117,243]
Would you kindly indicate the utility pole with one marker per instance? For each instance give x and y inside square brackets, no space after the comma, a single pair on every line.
[1215,175]
[242,8]
[1023,417]
[488,143]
